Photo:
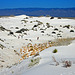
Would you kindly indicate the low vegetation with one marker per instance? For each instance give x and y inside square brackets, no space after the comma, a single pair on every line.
[52,18]
[34,62]
[66,26]
[1,46]
[3,29]
[22,30]
[63,41]
[55,51]
[71,30]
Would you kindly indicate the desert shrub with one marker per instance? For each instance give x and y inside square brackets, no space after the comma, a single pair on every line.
[18,31]
[11,33]
[16,28]
[59,17]
[71,30]
[25,33]
[61,31]
[8,66]
[58,34]
[35,25]
[51,26]
[26,18]
[67,64]
[2,61]
[24,21]
[39,23]
[55,51]
[60,25]
[1,65]
[56,29]
[53,32]
[42,31]
[2,28]
[66,26]
[47,24]
[31,60]
[22,30]
[12,71]
[30,16]
[52,18]
[31,21]
[35,29]
[1,40]
[24,25]
[1,46]
[34,62]
[37,54]
[15,51]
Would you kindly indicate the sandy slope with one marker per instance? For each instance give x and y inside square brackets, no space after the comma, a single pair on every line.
[47,66]
[8,57]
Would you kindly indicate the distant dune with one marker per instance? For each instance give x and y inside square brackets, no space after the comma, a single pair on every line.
[56,12]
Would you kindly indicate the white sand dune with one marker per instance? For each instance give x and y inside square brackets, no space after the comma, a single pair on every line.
[14,42]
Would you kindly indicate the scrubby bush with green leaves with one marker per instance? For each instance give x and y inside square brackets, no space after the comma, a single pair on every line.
[31,60]
[55,51]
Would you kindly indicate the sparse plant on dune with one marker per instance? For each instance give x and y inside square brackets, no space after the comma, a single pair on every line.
[31,60]
[34,62]
[55,51]
[56,29]
[71,30]
[67,64]
[53,32]
[66,26]
[57,63]
[52,18]
[48,25]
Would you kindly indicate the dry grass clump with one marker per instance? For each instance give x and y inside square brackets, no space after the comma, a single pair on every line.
[63,41]
[67,64]
[56,62]
[33,50]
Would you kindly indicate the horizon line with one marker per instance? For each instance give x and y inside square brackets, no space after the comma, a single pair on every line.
[39,8]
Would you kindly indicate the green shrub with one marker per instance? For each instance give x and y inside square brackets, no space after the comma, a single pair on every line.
[55,51]
[71,30]
[31,60]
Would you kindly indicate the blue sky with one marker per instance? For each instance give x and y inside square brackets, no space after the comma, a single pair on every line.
[36,3]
